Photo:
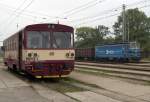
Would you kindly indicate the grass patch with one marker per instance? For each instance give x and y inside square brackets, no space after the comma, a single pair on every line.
[64,87]
[98,73]
[146,59]
[71,80]
[94,71]
[68,85]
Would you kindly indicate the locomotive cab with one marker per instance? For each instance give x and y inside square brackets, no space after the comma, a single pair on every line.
[134,51]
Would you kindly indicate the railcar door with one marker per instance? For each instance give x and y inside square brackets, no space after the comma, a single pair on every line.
[20,50]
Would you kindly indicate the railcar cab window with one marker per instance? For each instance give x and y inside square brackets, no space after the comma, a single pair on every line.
[38,39]
[62,40]
[45,39]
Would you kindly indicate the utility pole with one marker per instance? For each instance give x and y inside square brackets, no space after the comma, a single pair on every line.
[124,24]
[128,36]
[17,26]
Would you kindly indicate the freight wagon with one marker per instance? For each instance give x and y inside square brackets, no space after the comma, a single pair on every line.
[85,53]
[41,50]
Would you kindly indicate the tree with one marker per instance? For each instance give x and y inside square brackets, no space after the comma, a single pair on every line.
[89,37]
[137,26]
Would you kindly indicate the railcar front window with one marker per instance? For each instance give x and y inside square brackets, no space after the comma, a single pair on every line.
[62,40]
[38,39]
[43,39]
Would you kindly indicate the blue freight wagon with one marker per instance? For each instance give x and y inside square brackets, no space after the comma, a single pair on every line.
[118,52]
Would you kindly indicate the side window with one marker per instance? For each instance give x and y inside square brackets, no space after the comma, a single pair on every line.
[5,46]
[11,44]
[14,44]
[8,45]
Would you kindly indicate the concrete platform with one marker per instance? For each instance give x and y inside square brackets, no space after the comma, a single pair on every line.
[8,80]
[145,97]
[20,94]
[13,89]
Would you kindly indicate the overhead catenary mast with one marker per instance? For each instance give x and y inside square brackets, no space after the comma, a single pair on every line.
[124,24]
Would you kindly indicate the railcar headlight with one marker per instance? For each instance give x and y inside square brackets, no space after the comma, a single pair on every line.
[72,54]
[35,54]
[29,55]
[67,54]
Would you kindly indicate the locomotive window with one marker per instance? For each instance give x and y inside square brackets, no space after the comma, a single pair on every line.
[133,45]
[38,39]
[62,40]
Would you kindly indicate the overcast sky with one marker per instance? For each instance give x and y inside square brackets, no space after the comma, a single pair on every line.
[89,13]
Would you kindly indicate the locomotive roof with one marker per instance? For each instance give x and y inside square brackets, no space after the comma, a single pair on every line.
[113,44]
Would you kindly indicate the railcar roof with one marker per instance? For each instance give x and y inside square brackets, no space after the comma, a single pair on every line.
[35,25]
[47,24]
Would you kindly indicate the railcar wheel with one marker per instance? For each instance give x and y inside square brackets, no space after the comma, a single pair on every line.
[136,60]
[5,63]
[8,68]
[14,67]
[126,60]
[56,80]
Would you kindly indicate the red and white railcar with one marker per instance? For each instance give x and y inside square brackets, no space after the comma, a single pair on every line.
[42,50]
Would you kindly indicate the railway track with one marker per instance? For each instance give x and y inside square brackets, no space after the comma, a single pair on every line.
[142,64]
[138,64]
[119,66]
[117,70]
[59,91]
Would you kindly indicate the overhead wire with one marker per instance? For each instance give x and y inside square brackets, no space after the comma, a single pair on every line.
[99,14]
[89,3]
[101,18]
[78,7]
[105,17]
[106,12]
[83,8]
[14,11]
[69,10]
[137,3]
[17,16]
[29,13]
[22,11]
